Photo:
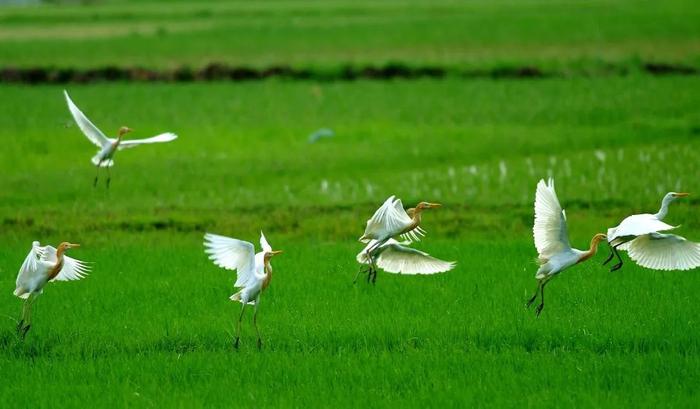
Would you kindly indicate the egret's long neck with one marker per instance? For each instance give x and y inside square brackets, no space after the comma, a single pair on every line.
[59,262]
[663,211]
[415,216]
[595,241]
[268,274]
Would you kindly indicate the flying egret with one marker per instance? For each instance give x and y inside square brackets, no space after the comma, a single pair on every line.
[397,257]
[552,240]
[639,236]
[109,146]
[44,264]
[392,220]
[253,271]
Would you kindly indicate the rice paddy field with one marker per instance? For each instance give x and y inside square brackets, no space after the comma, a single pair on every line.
[152,325]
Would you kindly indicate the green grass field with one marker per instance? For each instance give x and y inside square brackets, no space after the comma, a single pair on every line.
[152,325]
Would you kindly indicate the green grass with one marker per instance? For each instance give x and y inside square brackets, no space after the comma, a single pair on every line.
[331,34]
[152,325]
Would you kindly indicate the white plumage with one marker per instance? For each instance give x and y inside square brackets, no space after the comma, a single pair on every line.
[391,220]
[253,271]
[639,236]
[108,146]
[551,238]
[397,257]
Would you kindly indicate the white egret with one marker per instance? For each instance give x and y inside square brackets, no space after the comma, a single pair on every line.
[552,240]
[639,236]
[397,257]
[44,264]
[392,220]
[253,271]
[109,146]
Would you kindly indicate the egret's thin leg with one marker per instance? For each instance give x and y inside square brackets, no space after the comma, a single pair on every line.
[360,271]
[25,306]
[109,176]
[255,324]
[238,330]
[28,318]
[534,297]
[619,264]
[97,175]
[541,306]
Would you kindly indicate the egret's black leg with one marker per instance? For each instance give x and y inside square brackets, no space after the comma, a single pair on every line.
[539,308]
[619,259]
[25,330]
[238,330]
[534,297]
[255,324]
[109,176]
[20,325]
[97,175]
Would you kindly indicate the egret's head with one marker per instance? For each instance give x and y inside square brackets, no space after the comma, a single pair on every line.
[677,195]
[124,130]
[272,253]
[66,245]
[427,205]
[599,237]
[671,196]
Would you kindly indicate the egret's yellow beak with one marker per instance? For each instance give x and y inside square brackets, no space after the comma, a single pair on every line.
[681,195]
[276,252]
[434,205]
[71,245]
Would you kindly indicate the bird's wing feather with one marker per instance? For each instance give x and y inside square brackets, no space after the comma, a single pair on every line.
[164,137]
[549,230]
[72,269]
[389,220]
[638,225]
[664,252]
[49,254]
[264,244]
[232,254]
[30,262]
[396,258]
[91,131]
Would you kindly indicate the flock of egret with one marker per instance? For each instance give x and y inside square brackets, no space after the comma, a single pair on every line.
[639,235]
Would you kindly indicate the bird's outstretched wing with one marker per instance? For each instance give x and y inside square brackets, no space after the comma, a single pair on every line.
[91,131]
[232,254]
[264,244]
[164,137]
[637,225]
[549,230]
[29,264]
[664,252]
[389,220]
[72,269]
[397,258]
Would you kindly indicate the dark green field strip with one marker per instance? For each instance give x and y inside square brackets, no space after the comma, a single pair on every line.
[346,72]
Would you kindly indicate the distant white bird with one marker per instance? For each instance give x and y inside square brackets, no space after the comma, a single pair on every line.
[397,257]
[108,146]
[552,240]
[639,236]
[253,271]
[320,133]
[392,220]
[44,264]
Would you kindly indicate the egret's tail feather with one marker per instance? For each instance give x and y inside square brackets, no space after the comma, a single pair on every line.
[237,297]
[107,163]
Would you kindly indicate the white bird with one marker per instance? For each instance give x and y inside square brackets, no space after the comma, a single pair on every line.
[392,220]
[44,264]
[552,240]
[397,257]
[639,236]
[109,146]
[253,271]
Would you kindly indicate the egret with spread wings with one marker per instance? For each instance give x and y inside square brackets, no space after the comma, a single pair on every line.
[253,271]
[639,236]
[397,257]
[392,220]
[552,240]
[108,146]
[44,264]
